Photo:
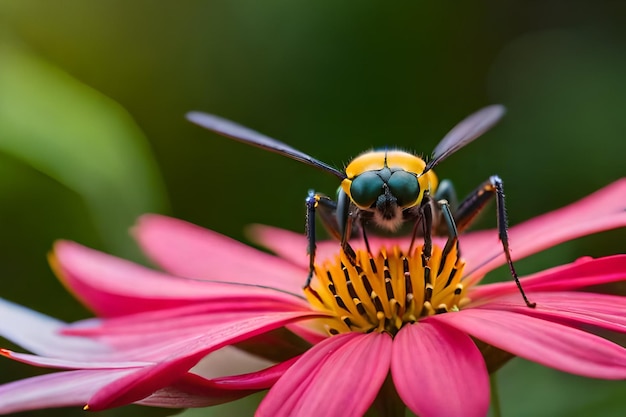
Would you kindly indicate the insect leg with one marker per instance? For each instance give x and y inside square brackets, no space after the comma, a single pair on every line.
[345,220]
[427,226]
[450,228]
[345,246]
[503,231]
[313,202]
[474,203]
[453,234]
[367,242]
[336,220]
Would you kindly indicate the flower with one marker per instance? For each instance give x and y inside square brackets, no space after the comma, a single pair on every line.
[156,329]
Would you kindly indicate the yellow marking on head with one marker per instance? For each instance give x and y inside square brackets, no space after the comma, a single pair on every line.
[428,181]
[406,161]
[376,160]
[368,161]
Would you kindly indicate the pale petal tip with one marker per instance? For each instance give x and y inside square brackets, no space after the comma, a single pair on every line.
[53,261]
[143,221]
[62,249]
[254,232]
[148,217]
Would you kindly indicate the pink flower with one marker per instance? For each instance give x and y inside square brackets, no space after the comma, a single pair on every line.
[155,328]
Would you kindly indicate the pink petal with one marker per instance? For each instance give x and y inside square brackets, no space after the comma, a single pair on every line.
[550,344]
[156,347]
[192,391]
[229,360]
[48,362]
[41,334]
[184,354]
[60,389]
[178,319]
[112,286]
[262,379]
[338,377]
[584,272]
[134,344]
[149,336]
[191,251]
[195,391]
[173,397]
[439,371]
[571,308]
[602,210]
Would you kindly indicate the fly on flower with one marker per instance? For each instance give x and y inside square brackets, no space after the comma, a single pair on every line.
[383,190]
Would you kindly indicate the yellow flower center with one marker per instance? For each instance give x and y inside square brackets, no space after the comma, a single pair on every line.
[383,292]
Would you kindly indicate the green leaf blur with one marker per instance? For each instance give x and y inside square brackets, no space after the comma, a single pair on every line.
[81,139]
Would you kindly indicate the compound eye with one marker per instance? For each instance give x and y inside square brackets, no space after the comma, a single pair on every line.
[365,189]
[404,186]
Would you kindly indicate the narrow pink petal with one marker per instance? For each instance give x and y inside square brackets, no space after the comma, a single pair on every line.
[229,360]
[571,308]
[154,346]
[188,250]
[159,321]
[262,379]
[48,362]
[195,391]
[150,336]
[111,286]
[179,319]
[40,334]
[186,353]
[192,391]
[132,343]
[439,371]
[173,397]
[602,210]
[579,274]
[550,344]
[60,389]
[338,377]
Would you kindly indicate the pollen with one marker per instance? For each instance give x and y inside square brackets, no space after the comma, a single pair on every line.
[384,291]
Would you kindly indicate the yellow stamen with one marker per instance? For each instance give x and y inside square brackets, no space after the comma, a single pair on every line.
[383,292]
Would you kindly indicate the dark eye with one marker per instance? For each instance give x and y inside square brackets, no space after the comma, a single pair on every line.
[404,186]
[366,188]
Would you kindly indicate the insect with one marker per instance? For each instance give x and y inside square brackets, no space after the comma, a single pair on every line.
[390,188]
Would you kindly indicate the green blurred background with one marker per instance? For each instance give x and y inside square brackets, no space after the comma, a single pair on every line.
[92,130]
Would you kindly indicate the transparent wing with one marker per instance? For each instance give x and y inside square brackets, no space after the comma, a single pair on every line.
[465,132]
[243,134]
